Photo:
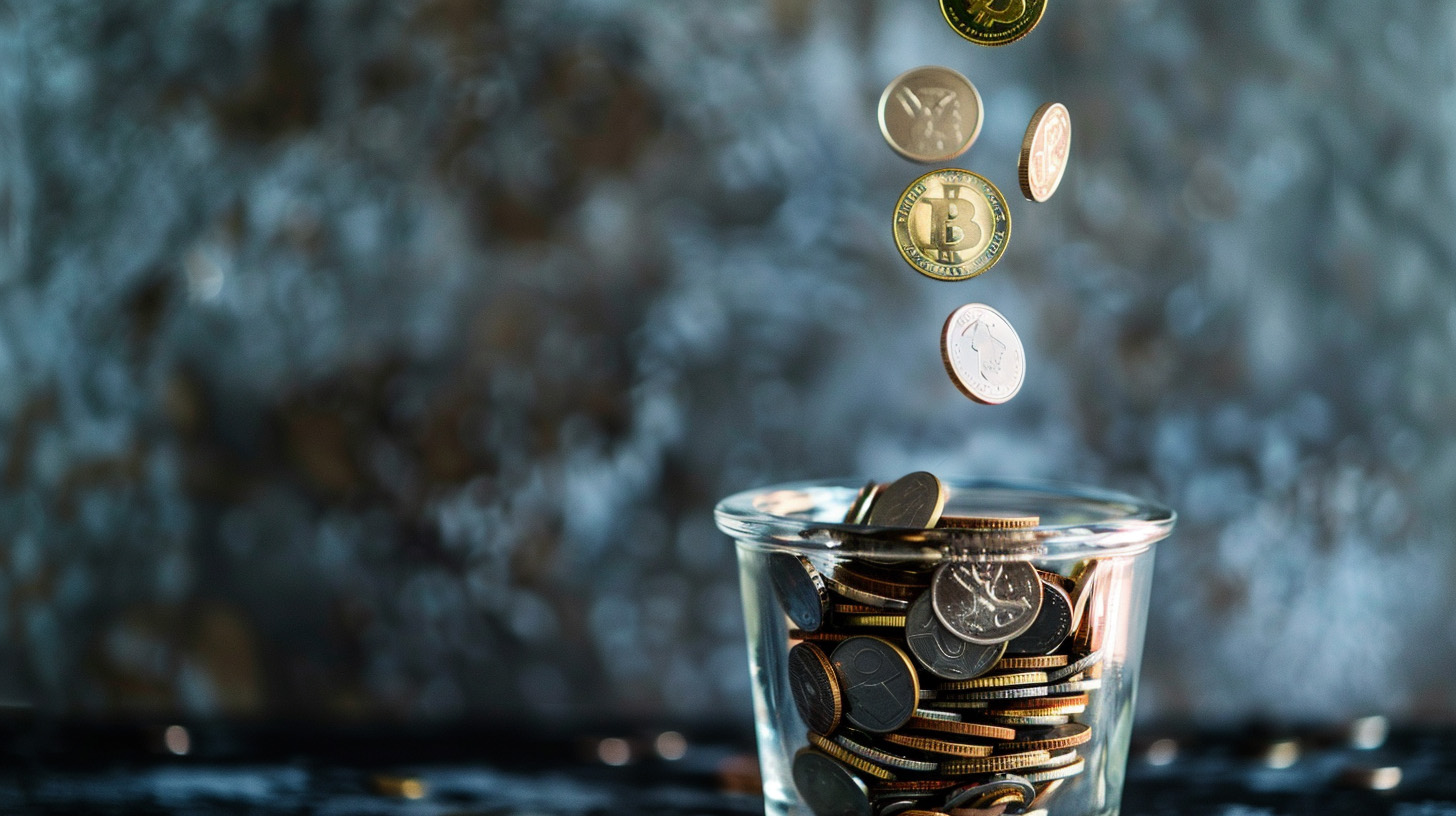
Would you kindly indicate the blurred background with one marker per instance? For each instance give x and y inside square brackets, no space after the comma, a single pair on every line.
[381,362]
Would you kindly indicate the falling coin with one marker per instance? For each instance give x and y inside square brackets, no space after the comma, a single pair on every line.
[941,652]
[930,114]
[800,589]
[982,354]
[815,688]
[828,786]
[984,602]
[951,224]
[878,681]
[1044,151]
[993,22]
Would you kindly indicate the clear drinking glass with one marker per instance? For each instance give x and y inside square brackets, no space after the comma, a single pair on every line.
[1095,544]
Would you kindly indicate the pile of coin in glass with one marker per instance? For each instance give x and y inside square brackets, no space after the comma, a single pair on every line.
[945,686]
[952,224]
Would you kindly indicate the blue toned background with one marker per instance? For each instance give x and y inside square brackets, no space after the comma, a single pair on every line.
[374,361]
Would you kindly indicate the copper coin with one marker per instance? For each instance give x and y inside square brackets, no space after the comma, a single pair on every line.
[1044,151]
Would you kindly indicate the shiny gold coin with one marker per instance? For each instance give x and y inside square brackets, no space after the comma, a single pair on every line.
[833,749]
[896,621]
[993,22]
[930,114]
[1033,662]
[990,521]
[1044,151]
[965,729]
[1037,777]
[996,681]
[1064,736]
[995,764]
[853,609]
[1005,799]
[939,746]
[951,225]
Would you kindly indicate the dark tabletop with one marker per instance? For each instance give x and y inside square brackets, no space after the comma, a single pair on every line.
[273,770]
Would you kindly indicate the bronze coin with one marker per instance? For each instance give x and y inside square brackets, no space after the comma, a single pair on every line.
[815,687]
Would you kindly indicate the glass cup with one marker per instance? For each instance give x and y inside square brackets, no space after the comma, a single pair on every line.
[916,705]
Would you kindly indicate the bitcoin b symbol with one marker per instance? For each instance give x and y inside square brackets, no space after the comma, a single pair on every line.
[952,224]
[985,11]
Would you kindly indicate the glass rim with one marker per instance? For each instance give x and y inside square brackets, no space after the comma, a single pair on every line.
[781,517]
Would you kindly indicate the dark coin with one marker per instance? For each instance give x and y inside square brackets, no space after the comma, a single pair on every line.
[1052,625]
[986,602]
[878,682]
[800,588]
[815,688]
[910,501]
[941,652]
[969,795]
[828,786]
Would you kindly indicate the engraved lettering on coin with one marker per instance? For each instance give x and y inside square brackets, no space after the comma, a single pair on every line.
[986,603]
[941,652]
[915,500]
[878,683]
[982,354]
[930,114]
[951,224]
[993,22]
[815,688]
[800,588]
[828,786]
[1052,626]
[1044,151]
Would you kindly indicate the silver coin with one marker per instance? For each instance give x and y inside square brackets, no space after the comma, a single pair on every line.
[828,786]
[982,354]
[800,588]
[930,114]
[1077,666]
[1052,625]
[999,782]
[878,683]
[986,603]
[941,652]
[914,500]
[885,758]
[936,714]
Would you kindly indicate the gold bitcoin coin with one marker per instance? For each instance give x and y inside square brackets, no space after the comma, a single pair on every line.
[930,114]
[951,224]
[1044,151]
[993,22]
